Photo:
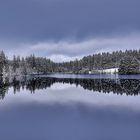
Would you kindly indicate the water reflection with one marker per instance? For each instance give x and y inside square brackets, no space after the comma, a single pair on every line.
[61,122]
[116,86]
[64,112]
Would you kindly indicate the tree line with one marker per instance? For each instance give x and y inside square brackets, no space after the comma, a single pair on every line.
[129,87]
[128,62]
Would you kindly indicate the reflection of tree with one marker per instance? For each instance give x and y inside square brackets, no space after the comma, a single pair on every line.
[131,87]
[116,86]
[3,87]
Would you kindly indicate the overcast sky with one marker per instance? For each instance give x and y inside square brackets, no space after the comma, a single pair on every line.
[68,29]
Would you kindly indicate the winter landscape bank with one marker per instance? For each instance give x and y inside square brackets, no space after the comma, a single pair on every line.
[127,62]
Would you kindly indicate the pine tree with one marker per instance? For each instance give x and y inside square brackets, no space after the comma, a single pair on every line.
[2,62]
[129,65]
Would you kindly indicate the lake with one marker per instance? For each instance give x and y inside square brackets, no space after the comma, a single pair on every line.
[70,107]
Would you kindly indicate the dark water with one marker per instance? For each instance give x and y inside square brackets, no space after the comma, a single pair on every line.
[70,108]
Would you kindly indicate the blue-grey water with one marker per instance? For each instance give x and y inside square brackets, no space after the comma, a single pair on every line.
[94,76]
[65,108]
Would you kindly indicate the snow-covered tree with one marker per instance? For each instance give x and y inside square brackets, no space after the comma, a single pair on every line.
[129,65]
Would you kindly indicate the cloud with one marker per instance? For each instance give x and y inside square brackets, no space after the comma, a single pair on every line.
[39,20]
[66,50]
[67,29]
[70,50]
[63,58]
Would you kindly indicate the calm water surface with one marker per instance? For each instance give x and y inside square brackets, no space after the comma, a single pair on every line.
[65,108]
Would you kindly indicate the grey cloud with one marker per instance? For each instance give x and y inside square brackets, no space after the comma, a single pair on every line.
[70,50]
[90,46]
[68,29]
[40,20]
